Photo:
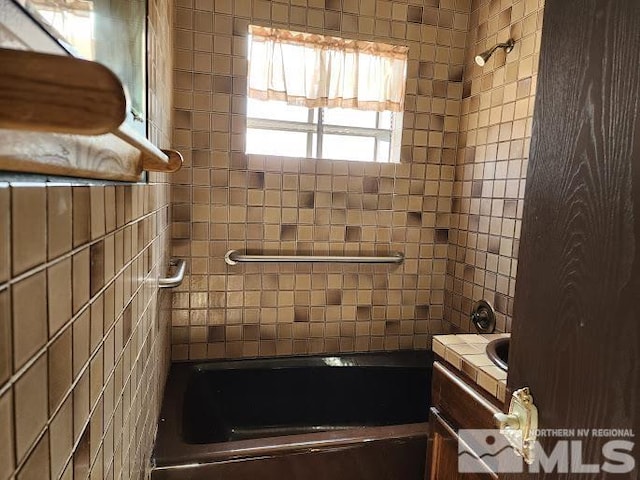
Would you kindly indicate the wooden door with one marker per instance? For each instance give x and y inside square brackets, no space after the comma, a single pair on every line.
[576,334]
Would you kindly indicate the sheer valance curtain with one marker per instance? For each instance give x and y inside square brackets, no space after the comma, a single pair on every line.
[313,71]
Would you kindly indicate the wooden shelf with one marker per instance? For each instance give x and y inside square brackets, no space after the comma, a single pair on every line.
[58,101]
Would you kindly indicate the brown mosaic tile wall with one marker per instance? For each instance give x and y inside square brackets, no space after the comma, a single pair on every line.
[491,167]
[83,348]
[223,200]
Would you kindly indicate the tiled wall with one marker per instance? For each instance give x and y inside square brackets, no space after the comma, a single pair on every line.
[223,200]
[491,167]
[83,349]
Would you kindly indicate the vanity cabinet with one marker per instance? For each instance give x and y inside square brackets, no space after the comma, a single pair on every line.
[456,404]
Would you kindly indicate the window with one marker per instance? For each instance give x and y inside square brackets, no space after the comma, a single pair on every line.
[275,128]
[324,97]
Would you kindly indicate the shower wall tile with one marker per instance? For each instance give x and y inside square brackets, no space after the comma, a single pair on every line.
[491,164]
[84,330]
[37,465]
[223,199]
[29,297]
[81,216]
[28,212]
[5,232]
[6,435]
[6,340]
[61,437]
[60,368]
[58,298]
[31,405]
[59,221]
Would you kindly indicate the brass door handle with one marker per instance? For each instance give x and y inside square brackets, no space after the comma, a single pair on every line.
[520,425]
[505,421]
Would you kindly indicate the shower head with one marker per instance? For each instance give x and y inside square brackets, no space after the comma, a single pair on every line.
[484,56]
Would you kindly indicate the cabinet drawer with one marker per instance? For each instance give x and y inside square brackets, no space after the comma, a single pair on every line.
[444,453]
[459,402]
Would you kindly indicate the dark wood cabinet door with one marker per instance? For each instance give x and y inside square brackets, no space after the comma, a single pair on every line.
[576,333]
[443,452]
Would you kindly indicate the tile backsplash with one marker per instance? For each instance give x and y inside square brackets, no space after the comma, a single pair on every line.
[224,199]
[491,166]
[83,328]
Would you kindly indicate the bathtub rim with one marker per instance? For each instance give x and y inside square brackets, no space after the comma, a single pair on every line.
[396,358]
[187,454]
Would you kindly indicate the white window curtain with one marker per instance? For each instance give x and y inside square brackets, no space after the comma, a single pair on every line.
[318,71]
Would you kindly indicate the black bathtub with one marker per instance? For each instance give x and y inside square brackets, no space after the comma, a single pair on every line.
[360,416]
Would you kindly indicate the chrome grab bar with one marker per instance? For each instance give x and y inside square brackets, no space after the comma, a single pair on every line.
[176,280]
[233,257]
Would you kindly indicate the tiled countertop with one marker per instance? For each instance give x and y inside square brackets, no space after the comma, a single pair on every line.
[466,353]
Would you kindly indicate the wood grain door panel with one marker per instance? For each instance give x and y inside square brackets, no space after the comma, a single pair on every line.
[576,334]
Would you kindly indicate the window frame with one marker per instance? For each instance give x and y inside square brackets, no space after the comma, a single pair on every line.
[320,129]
